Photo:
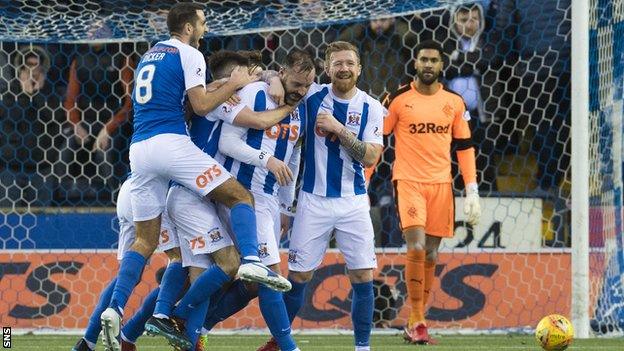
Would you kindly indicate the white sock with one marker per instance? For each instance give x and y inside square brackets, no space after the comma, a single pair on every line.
[161,316]
[252,258]
[362,348]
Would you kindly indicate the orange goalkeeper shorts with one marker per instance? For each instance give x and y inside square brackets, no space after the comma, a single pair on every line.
[426,205]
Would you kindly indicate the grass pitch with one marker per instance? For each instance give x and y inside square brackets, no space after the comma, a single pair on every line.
[332,343]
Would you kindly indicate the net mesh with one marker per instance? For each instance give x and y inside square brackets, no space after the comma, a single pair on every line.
[70,21]
[70,64]
[605,118]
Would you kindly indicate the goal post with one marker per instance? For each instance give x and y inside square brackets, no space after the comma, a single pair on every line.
[580,167]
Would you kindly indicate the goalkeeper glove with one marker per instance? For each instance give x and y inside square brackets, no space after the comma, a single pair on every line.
[472,208]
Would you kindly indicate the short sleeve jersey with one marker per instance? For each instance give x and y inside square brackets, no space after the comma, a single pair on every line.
[329,170]
[278,140]
[162,77]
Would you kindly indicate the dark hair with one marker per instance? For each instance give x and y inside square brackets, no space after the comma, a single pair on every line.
[467,8]
[222,62]
[431,45]
[181,14]
[340,46]
[254,57]
[300,60]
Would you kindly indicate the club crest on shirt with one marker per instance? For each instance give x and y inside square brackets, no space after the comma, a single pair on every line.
[354,118]
[448,110]
[215,235]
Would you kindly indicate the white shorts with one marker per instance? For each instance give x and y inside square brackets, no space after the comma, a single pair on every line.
[198,227]
[268,223]
[316,218]
[164,157]
[168,238]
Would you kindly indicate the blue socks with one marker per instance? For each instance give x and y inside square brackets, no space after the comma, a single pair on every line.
[200,291]
[362,307]
[170,287]
[94,327]
[243,219]
[235,298]
[129,274]
[136,325]
[275,315]
[293,299]
[195,321]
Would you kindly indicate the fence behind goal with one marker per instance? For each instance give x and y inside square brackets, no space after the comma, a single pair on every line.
[66,72]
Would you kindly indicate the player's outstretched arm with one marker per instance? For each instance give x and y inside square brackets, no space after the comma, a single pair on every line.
[276,88]
[261,119]
[232,144]
[203,101]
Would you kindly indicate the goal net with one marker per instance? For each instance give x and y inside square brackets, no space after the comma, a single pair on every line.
[65,69]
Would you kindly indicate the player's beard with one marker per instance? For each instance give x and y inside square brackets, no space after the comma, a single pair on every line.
[344,81]
[428,80]
[292,99]
[194,42]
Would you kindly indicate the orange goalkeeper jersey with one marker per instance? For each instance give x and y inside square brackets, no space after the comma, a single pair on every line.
[424,127]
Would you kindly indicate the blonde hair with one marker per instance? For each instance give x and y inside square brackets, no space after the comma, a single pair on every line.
[340,46]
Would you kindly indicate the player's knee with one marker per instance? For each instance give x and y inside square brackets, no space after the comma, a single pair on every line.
[144,246]
[228,260]
[174,255]
[357,276]
[416,246]
[243,196]
[232,193]
[230,267]
[195,272]
[431,254]
[301,277]
[415,238]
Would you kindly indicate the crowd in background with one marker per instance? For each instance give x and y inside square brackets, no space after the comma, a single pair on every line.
[67,114]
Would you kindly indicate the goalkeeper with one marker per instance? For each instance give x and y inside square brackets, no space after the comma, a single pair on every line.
[426,118]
